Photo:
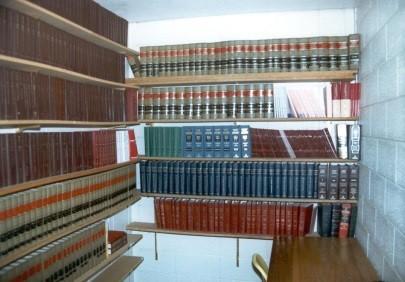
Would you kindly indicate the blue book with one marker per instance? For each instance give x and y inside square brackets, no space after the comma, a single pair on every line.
[187,182]
[316,179]
[200,178]
[296,176]
[142,169]
[277,180]
[290,177]
[170,186]
[223,179]
[149,177]
[242,176]
[248,176]
[245,141]
[236,143]
[208,142]
[227,142]
[155,176]
[303,180]
[188,142]
[310,180]
[176,178]
[271,180]
[253,179]
[217,142]
[182,177]
[229,180]
[235,179]
[198,145]
[205,176]
[265,180]
[259,180]
[212,178]
[164,183]
[217,186]
[193,169]
[284,180]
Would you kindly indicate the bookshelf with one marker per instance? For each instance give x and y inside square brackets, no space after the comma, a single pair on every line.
[309,76]
[35,11]
[57,178]
[119,269]
[230,198]
[7,259]
[63,123]
[110,260]
[31,66]
[151,227]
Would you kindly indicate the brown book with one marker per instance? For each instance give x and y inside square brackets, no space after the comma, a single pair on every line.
[235,217]
[253,218]
[168,210]
[295,220]
[259,217]
[227,217]
[204,216]
[277,229]
[345,220]
[265,218]
[272,219]
[249,212]
[211,215]
[282,228]
[305,218]
[183,214]
[157,212]
[242,217]
[177,213]
[289,219]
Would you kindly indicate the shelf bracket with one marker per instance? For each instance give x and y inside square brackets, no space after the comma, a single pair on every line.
[28,127]
[156,252]
[237,252]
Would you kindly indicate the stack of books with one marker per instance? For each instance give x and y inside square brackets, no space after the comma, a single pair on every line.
[115,241]
[337,220]
[234,217]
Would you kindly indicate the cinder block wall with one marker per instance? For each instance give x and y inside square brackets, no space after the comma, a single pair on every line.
[381,226]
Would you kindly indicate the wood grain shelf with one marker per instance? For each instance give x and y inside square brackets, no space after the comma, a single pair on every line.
[151,227]
[316,160]
[119,269]
[64,123]
[32,66]
[57,178]
[132,240]
[29,248]
[53,19]
[309,76]
[263,199]
[340,119]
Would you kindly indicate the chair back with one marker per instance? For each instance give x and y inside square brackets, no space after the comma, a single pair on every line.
[260,267]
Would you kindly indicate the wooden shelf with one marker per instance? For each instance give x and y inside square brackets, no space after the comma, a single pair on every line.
[309,76]
[151,227]
[51,18]
[231,198]
[340,119]
[32,66]
[57,178]
[316,160]
[63,123]
[119,269]
[7,259]
[132,240]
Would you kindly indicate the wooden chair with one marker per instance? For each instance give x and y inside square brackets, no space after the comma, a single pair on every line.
[260,267]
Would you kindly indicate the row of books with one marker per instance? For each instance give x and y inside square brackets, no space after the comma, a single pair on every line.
[198,141]
[115,241]
[28,38]
[31,215]
[33,96]
[305,180]
[63,260]
[241,56]
[337,220]
[90,15]
[234,217]
[339,99]
[254,100]
[30,156]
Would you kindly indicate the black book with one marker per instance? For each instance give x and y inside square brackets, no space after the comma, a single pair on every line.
[353,220]
[253,179]
[171,177]
[164,183]
[343,181]
[241,182]
[212,178]
[354,181]
[229,180]
[176,178]
[303,180]
[284,180]
[200,178]
[290,179]
[217,190]
[324,219]
[333,182]
[193,180]
[223,179]
[258,190]
[323,181]
[296,176]
[310,180]
[142,169]
[154,177]
[335,222]
[316,180]
[205,177]
[235,179]
[277,180]
[159,176]
[182,177]
[188,182]
[271,180]
[248,176]
[265,180]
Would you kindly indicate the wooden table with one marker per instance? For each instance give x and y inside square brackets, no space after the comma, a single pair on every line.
[319,259]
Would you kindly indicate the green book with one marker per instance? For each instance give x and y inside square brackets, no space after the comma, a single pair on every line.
[146,131]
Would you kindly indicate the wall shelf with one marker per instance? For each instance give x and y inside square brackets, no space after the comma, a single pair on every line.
[66,231]
[111,259]
[51,18]
[32,66]
[151,227]
[119,269]
[336,119]
[262,199]
[57,178]
[64,123]
[317,160]
[309,76]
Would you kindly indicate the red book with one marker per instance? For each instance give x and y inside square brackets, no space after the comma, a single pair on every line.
[248,229]
[183,214]
[227,217]
[133,151]
[265,218]
[177,213]
[190,219]
[197,215]
[242,217]
[277,220]
[163,221]
[295,220]
[221,216]
[271,219]
[157,212]
[282,228]
[204,215]
[345,220]
[254,217]
[168,210]
[336,97]
[288,219]
[211,216]
[259,217]
[235,217]
[305,216]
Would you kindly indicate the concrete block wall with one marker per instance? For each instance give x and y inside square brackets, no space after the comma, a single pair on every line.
[381,226]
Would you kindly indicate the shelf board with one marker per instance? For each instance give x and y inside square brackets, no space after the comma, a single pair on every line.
[7,259]
[335,119]
[64,123]
[316,160]
[231,198]
[53,19]
[132,240]
[309,76]
[57,178]
[32,66]
[119,269]
[151,227]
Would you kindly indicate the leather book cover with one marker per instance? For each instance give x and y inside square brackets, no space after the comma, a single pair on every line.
[284,179]
[295,219]
[310,181]
[323,181]
[229,178]
[177,213]
[204,215]
[198,147]
[290,180]
[208,141]
[235,217]
[223,184]
[277,230]
[194,181]
[197,215]
[277,180]
[217,176]
[283,219]
[249,212]
[253,221]
[289,219]
[212,178]
[353,220]
[335,221]
[235,179]
[205,182]
[242,179]
[324,219]
[188,141]
[304,222]
[227,217]
[259,217]
[157,212]
[264,188]
[190,214]
[163,215]
[242,216]
[248,179]
[343,181]
[169,213]
[272,219]
[217,142]
[303,180]
[184,214]
[217,209]
[211,215]
[265,218]
[336,97]
[345,220]
[253,179]
[333,179]
[221,216]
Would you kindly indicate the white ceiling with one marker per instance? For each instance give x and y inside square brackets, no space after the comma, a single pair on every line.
[154,10]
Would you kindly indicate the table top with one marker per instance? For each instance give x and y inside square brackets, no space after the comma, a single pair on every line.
[319,259]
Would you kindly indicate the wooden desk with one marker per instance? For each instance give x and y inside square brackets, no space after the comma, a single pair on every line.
[319,259]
